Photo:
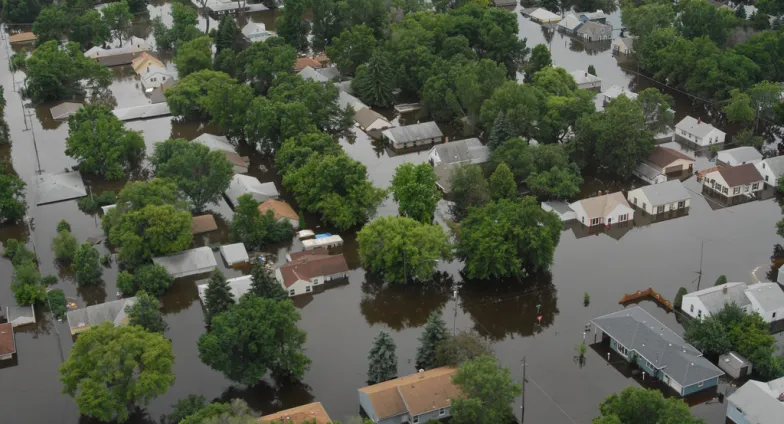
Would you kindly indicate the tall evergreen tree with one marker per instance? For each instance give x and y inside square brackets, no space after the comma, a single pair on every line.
[373,81]
[5,133]
[264,285]
[382,359]
[502,130]
[435,333]
[228,34]
[218,297]
[591,70]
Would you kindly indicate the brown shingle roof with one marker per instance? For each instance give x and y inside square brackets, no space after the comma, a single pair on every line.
[203,224]
[388,397]
[280,209]
[663,156]
[144,60]
[236,159]
[312,412]
[317,251]
[307,267]
[740,175]
[22,37]
[7,343]
[302,62]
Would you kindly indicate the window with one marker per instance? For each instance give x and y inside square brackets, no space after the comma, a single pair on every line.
[622,350]
[415,420]
[699,314]
[755,186]
[649,365]
[595,221]
[441,412]
[681,204]
[292,292]
[766,177]
[643,205]
[635,200]
[725,190]
[736,190]
[763,166]
[774,315]
[308,289]
[624,217]
[701,384]
[746,188]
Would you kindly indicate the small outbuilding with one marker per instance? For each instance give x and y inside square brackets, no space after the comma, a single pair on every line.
[7,341]
[203,224]
[735,365]
[234,254]
[562,209]
[53,188]
[244,184]
[623,46]
[616,91]
[196,261]
[64,110]
[414,135]
[22,37]
[81,320]
[659,198]
[20,315]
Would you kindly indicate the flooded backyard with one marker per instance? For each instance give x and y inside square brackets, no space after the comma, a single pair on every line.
[342,320]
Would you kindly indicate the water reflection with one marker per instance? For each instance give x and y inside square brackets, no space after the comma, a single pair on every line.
[401,306]
[268,398]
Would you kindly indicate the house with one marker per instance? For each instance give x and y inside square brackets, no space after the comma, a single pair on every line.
[157,94]
[444,173]
[244,184]
[148,111]
[659,198]
[593,31]
[469,150]
[190,262]
[239,163]
[222,7]
[562,209]
[598,16]
[144,60]
[65,110]
[256,31]
[711,300]
[20,315]
[735,181]
[370,120]
[416,398]
[117,56]
[281,211]
[624,46]
[53,188]
[7,341]
[234,254]
[640,338]
[325,240]
[699,132]
[771,169]
[738,156]
[310,269]
[648,174]
[569,24]
[303,62]
[605,209]
[767,299]
[614,92]
[541,15]
[586,81]
[757,403]
[22,37]
[322,75]
[735,365]
[155,76]
[413,135]
[345,100]
[312,413]
[203,224]
[81,320]
[669,161]
[238,287]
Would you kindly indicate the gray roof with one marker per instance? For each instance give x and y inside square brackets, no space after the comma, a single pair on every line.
[599,14]
[776,165]
[666,192]
[215,142]
[444,175]
[646,171]
[468,150]
[308,73]
[189,262]
[91,316]
[616,91]
[733,360]
[20,315]
[59,187]
[639,331]
[595,29]
[130,46]
[330,72]
[758,401]
[142,112]
[234,253]
[238,286]
[345,99]
[256,31]
[583,77]
[697,127]
[714,298]
[768,295]
[628,42]
[415,132]
[570,22]
[245,184]
[739,155]
[64,110]
[560,207]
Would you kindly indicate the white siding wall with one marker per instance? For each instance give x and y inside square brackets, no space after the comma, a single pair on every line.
[768,316]
[298,288]
[692,305]
[767,174]
[744,189]
[613,217]
[642,200]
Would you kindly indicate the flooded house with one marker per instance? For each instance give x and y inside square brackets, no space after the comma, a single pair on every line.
[121,55]
[569,24]
[281,211]
[757,402]
[244,184]
[416,398]
[370,120]
[608,209]
[467,151]
[738,156]
[308,269]
[202,224]
[711,300]
[541,15]
[20,315]
[312,413]
[7,341]
[586,81]
[65,110]
[660,198]
[698,132]
[591,31]
[190,262]
[81,320]
[220,143]
[771,169]
[238,287]
[661,162]
[623,46]
[414,135]
[641,339]
[598,16]
[616,91]
[743,180]
[322,75]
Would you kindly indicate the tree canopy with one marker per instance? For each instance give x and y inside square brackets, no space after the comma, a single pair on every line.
[254,229]
[146,313]
[193,56]
[414,188]
[55,73]
[150,278]
[374,82]
[218,296]
[264,285]
[469,189]
[434,334]
[382,359]
[488,391]
[12,197]
[635,405]
[87,266]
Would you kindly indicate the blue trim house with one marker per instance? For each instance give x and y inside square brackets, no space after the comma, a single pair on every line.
[642,339]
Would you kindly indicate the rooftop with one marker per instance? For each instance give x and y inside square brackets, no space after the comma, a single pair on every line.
[667,192]
[468,150]
[733,360]
[776,165]
[306,267]
[303,62]
[245,184]
[647,171]
[238,286]
[759,401]
[321,75]
[64,110]
[616,90]
[132,45]
[144,61]
[595,29]
[187,262]
[215,142]
[602,205]
[256,31]
[323,241]
[714,298]
[279,208]
[583,77]
[234,253]
[544,14]
[20,315]
[142,111]
[52,188]
[366,116]
[415,394]
[311,413]
[7,342]
[695,126]
[345,99]
[663,156]
[88,317]
[769,295]
[414,132]
[740,175]
[203,223]
[570,22]
[22,37]
[739,155]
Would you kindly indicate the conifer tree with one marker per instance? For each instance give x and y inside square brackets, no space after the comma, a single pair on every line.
[218,297]
[382,359]
[228,33]
[264,285]
[146,313]
[373,81]
[500,132]
[435,333]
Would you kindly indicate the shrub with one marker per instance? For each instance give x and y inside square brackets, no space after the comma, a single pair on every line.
[679,297]
[92,204]
[57,302]
[64,245]
[85,264]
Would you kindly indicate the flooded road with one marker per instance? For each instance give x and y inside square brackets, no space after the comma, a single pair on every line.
[342,320]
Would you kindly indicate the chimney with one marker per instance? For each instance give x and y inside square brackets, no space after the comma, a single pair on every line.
[699,121]
[586,74]
[781,397]
[724,290]
[600,192]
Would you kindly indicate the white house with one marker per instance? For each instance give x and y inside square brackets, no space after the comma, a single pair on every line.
[413,135]
[615,91]
[771,169]
[699,132]
[154,76]
[706,302]
[738,156]
[370,120]
[767,299]
[659,198]
[605,209]
[586,81]
[663,161]
[308,269]
[569,24]
[541,15]
[624,46]
[743,180]
[469,150]
[757,403]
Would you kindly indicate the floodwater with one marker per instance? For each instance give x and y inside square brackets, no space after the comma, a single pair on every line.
[342,320]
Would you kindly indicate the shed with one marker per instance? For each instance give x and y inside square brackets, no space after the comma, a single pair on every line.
[543,16]
[234,254]
[7,341]
[20,315]
[562,209]
[615,91]
[53,188]
[203,224]
[83,319]
[735,365]
[649,174]
[414,135]
[244,184]
[328,241]
[64,110]
[238,286]
[190,262]
[304,234]
[370,120]
[22,37]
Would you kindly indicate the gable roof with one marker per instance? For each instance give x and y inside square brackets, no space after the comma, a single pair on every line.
[595,29]
[188,262]
[345,99]
[280,209]
[245,184]
[647,171]
[638,330]
[667,192]
[600,206]
[308,267]
[20,315]
[739,155]
[22,37]
[366,116]
[64,110]
[317,251]
[390,398]
[144,60]
[312,412]
[85,318]
[257,31]
[583,77]
[134,45]
[302,62]
[740,175]
[544,14]
[714,298]
[776,165]
[52,188]
[309,74]
[663,156]
[215,142]
[470,149]
[697,127]
[414,132]
[768,295]
[570,22]
[759,402]
[7,342]
[616,90]
[203,223]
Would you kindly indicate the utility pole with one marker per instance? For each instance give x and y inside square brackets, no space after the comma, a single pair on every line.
[522,407]
[454,321]
[405,275]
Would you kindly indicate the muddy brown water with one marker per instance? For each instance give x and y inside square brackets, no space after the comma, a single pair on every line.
[341,320]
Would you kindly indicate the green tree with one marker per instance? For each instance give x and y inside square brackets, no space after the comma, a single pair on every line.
[117,17]
[5,132]
[146,313]
[521,103]
[414,188]
[138,6]
[469,189]
[150,278]
[540,59]
[374,81]
[87,266]
[353,47]
[434,334]
[112,370]
[296,150]
[193,56]
[20,11]
[185,407]
[747,138]
[488,391]
[709,336]
[203,175]
[337,187]
[643,20]
[151,231]
[505,238]
[57,72]
[263,61]
[500,132]
[64,246]
[63,225]
[88,29]
[101,143]
[721,280]
[255,229]
[12,197]
[189,98]
[656,110]
[217,297]
[462,347]
[253,337]
[556,183]
[382,360]
[52,24]
[263,284]
[27,284]
[739,107]
[330,18]
[293,26]
[398,247]
[502,183]
[56,300]
[229,35]
[699,18]
[592,70]
[635,405]
[679,297]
